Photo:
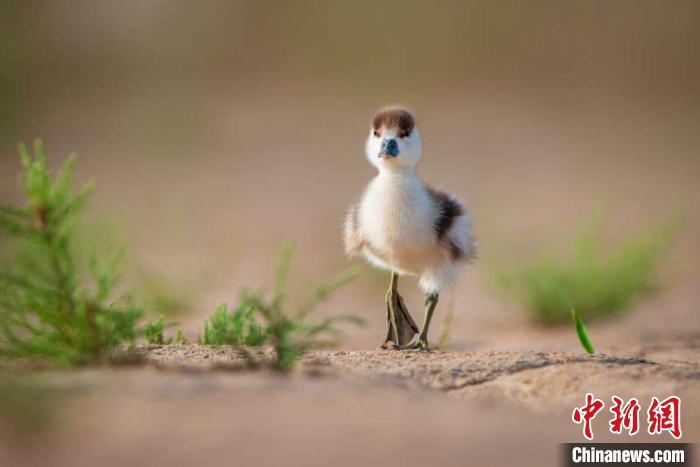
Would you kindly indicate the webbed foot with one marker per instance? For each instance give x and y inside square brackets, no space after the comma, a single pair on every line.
[417,344]
[402,328]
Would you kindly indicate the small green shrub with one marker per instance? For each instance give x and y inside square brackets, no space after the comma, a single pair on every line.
[49,309]
[595,284]
[236,327]
[154,332]
[259,320]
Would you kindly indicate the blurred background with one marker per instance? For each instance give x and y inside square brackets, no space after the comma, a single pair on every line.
[218,129]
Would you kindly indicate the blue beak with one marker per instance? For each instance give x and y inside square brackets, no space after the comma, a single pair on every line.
[389,147]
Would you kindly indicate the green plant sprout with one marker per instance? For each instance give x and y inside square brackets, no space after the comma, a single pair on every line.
[154,332]
[235,327]
[595,284]
[51,308]
[582,333]
[259,320]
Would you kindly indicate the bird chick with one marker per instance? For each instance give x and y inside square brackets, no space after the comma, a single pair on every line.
[404,226]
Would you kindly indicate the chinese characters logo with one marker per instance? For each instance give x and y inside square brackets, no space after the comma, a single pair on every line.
[662,415]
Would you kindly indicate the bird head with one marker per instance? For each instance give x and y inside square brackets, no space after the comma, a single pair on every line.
[393,142]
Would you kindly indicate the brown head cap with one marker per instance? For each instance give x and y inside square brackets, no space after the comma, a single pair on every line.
[394,117]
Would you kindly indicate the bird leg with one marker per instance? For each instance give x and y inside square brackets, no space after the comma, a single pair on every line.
[402,328]
[421,342]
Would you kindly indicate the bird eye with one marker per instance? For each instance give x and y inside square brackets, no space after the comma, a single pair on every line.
[376,133]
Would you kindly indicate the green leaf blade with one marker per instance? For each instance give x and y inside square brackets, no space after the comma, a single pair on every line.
[582,333]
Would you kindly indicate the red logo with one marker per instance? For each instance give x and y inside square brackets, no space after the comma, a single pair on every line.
[665,416]
[625,417]
[662,416]
[587,413]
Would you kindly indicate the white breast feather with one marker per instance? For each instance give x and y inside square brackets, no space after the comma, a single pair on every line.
[396,218]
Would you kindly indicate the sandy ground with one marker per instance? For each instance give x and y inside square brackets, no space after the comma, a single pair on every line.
[196,405]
